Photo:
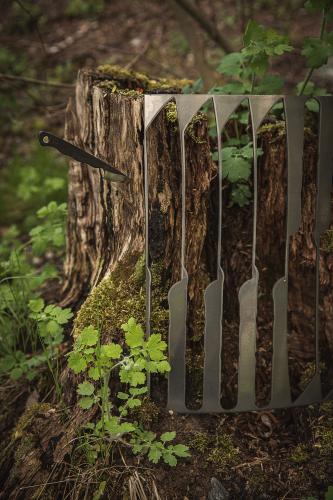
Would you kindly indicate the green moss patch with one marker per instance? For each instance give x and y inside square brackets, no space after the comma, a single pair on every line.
[218,450]
[132,83]
[121,296]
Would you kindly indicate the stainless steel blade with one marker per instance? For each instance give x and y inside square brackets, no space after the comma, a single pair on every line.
[313,391]
[153,104]
[294,108]
[224,106]
[187,106]
[259,107]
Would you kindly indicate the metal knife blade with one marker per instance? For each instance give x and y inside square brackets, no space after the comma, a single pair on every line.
[68,149]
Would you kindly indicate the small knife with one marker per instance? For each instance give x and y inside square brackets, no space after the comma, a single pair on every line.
[66,148]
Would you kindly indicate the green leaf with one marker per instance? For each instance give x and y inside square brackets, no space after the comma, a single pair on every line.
[312,105]
[155,347]
[89,336]
[253,32]
[181,450]
[112,426]
[62,316]
[170,459]
[163,366]
[36,305]
[317,51]
[241,194]
[100,492]
[86,403]
[76,362]
[196,87]
[134,403]
[85,389]
[236,168]
[134,335]
[53,328]
[93,373]
[16,373]
[112,351]
[7,363]
[270,84]
[122,395]
[168,436]
[126,427]
[246,151]
[137,378]
[311,89]
[231,64]
[136,391]
[31,375]
[154,454]
[229,88]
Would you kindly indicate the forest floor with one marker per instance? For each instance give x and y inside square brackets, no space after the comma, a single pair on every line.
[278,454]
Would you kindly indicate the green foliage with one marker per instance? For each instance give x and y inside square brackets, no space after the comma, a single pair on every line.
[317,51]
[51,233]
[193,88]
[11,63]
[84,8]
[236,167]
[219,449]
[240,194]
[50,320]
[325,6]
[178,42]
[129,363]
[47,322]
[249,72]
[29,182]
[237,162]
[24,20]
[30,332]
[249,67]
[145,442]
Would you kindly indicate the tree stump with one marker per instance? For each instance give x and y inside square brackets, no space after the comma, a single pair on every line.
[106,221]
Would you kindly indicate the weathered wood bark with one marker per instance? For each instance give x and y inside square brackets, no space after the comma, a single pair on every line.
[106,222]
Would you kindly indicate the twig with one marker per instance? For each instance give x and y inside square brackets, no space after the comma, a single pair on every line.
[311,70]
[137,57]
[35,23]
[206,25]
[25,79]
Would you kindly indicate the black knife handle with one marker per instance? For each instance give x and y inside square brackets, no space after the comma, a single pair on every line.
[67,149]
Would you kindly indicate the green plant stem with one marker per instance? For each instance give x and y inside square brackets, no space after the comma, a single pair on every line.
[226,134]
[253,82]
[50,367]
[236,129]
[311,70]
